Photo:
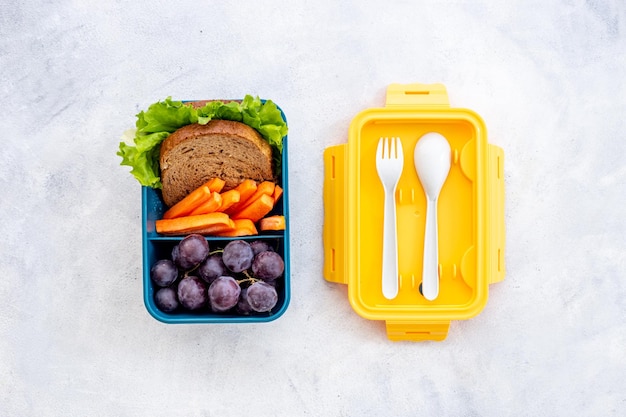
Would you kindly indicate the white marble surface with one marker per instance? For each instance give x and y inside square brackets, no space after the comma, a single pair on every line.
[548,78]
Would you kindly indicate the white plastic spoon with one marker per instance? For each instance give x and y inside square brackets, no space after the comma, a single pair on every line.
[432,163]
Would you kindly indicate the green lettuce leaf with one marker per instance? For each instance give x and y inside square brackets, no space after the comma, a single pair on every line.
[154,125]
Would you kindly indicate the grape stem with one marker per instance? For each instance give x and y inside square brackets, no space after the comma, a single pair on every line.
[186,274]
[248,278]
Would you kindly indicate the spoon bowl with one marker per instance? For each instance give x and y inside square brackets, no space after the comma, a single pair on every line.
[432,164]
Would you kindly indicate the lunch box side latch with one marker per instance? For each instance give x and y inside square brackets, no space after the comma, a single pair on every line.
[334,214]
[497,233]
[417,331]
[409,95]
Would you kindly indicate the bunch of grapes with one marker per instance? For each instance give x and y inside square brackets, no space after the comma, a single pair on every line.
[239,278]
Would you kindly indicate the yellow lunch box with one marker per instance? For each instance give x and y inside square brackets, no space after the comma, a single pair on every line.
[470,213]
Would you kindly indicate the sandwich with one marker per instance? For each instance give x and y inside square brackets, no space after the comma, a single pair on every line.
[178,146]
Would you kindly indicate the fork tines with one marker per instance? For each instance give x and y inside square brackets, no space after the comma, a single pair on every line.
[389,148]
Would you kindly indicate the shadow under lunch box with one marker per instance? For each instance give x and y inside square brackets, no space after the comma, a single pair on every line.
[157,246]
[470,215]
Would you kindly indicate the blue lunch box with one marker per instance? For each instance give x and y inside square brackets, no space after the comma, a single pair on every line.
[156,246]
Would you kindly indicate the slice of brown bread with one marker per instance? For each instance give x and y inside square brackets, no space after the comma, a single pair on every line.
[195,153]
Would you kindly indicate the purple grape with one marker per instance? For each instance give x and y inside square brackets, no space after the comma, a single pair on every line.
[165,299]
[259,246]
[261,296]
[192,293]
[224,293]
[243,307]
[163,272]
[268,266]
[237,255]
[192,250]
[211,268]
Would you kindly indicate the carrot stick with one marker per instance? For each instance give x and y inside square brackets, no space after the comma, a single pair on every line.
[189,224]
[209,206]
[216,184]
[229,198]
[256,209]
[216,229]
[189,203]
[195,198]
[243,227]
[266,187]
[276,222]
[278,192]
[246,189]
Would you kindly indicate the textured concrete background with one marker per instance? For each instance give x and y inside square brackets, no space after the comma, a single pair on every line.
[549,80]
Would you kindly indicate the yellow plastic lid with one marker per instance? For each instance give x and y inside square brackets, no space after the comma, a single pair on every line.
[470,213]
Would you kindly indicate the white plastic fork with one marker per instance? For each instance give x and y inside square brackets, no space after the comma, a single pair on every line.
[389,164]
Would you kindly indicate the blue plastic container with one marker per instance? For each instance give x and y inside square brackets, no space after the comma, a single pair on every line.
[156,246]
